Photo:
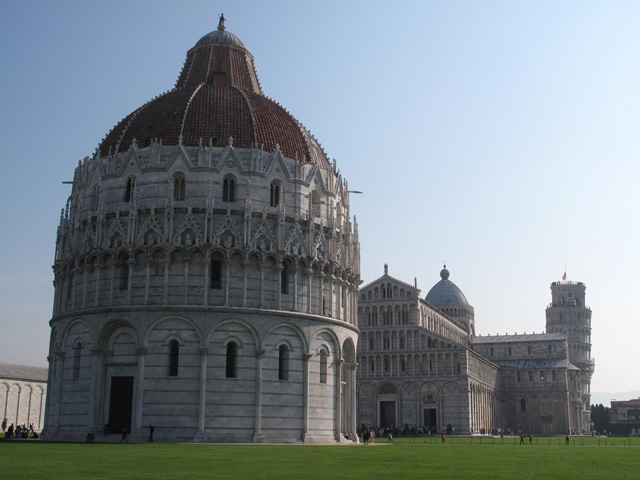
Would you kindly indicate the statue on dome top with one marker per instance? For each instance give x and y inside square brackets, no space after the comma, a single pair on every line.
[221,22]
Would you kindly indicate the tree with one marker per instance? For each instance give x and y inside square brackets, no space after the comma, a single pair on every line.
[600,417]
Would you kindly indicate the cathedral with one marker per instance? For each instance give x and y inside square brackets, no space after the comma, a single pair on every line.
[421,364]
[206,272]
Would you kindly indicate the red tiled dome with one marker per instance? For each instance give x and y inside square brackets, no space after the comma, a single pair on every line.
[217,96]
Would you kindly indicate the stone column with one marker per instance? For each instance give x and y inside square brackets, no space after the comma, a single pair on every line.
[47,407]
[258,437]
[165,286]
[185,282]
[245,266]
[337,400]
[59,383]
[295,288]
[147,278]
[308,274]
[40,410]
[6,402]
[331,284]
[305,409]
[201,435]
[279,269]
[93,388]
[339,299]
[227,268]
[321,295]
[18,405]
[207,270]
[130,264]
[261,268]
[99,267]
[74,285]
[350,421]
[440,411]
[29,408]
[85,272]
[139,393]
[111,281]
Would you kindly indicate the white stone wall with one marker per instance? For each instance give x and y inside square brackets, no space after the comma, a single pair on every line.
[296,409]
[23,402]
[134,272]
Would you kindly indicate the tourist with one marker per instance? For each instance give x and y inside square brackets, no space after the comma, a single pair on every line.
[151,430]
[442,437]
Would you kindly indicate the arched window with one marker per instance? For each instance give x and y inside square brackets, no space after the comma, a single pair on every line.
[229,190]
[123,281]
[317,204]
[95,197]
[387,365]
[523,405]
[77,354]
[283,363]
[232,360]
[174,358]
[179,186]
[372,366]
[528,349]
[403,364]
[274,198]
[284,279]
[131,188]
[216,274]
[323,366]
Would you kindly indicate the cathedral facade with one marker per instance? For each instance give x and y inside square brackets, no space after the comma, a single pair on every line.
[422,365]
[206,272]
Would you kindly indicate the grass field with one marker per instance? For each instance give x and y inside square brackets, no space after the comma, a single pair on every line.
[402,460]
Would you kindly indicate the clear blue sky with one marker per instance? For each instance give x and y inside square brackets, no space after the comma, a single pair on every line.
[500,136]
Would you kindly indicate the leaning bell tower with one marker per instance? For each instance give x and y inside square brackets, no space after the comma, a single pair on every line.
[569,314]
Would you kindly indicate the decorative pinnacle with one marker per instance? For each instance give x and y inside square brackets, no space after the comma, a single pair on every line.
[221,22]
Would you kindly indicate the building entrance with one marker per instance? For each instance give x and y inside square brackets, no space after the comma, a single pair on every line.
[387,414]
[120,403]
[430,418]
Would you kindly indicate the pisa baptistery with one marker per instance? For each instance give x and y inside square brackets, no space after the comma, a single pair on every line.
[206,272]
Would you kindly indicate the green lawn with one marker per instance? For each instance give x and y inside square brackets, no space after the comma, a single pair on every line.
[403,460]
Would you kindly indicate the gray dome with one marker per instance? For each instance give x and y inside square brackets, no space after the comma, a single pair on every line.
[220,36]
[445,293]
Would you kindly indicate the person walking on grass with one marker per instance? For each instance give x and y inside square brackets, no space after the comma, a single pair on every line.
[151,430]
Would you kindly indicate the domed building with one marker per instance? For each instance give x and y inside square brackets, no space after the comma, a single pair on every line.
[449,299]
[206,272]
[421,365]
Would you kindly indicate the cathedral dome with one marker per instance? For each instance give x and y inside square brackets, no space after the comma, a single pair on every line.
[445,292]
[217,101]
